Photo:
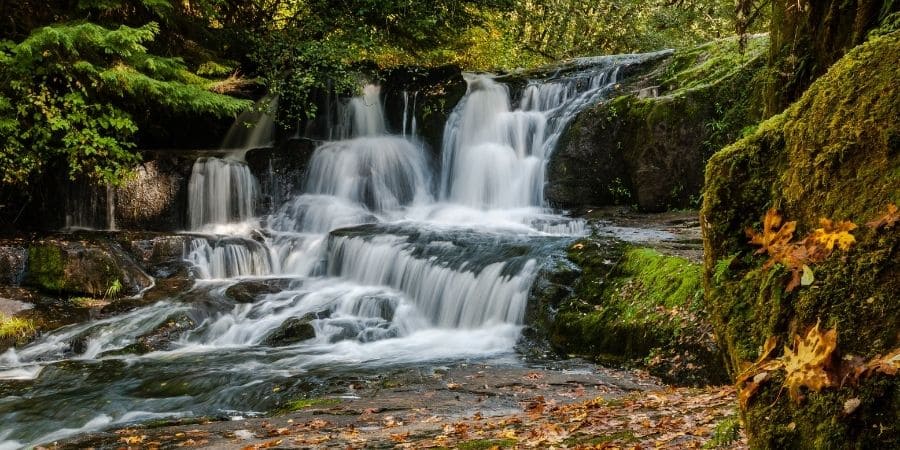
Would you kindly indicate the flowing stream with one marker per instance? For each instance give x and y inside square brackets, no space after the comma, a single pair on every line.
[382,261]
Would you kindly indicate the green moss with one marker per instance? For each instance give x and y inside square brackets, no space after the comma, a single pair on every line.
[711,63]
[726,433]
[834,154]
[45,266]
[643,304]
[483,444]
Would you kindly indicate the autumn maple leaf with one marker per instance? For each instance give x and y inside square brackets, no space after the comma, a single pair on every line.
[835,233]
[888,220]
[807,364]
[775,235]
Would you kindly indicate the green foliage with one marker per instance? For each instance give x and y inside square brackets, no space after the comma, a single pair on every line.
[67,91]
[16,328]
[726,433]
[114,289]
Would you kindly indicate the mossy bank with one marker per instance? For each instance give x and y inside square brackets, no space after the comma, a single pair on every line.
[635,306]
[834,154]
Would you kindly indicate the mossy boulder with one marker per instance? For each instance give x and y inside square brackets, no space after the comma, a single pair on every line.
[649,146]
[635,306]
[83,268]
[835,154]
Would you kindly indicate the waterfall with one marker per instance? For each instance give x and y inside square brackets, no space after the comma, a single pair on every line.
[409,114]
[494,155]
[221,190]
[382,261]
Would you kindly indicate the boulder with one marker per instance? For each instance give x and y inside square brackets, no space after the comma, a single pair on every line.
[249,291]
[87,267]
[833,154]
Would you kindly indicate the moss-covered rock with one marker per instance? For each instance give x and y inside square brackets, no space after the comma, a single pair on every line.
[634,305]
[649,146]
[95,268]
[835,153]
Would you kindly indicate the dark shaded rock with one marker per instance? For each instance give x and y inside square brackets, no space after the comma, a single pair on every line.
[650,151]
[13,262]
[431,93]
[832,154]
[294,330]
[281,171]
[156,197]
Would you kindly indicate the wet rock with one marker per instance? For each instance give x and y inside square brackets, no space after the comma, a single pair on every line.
[295,329]
[250,291]
[92,268]
[165,333]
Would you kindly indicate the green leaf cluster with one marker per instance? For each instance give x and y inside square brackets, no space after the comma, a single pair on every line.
[68,93]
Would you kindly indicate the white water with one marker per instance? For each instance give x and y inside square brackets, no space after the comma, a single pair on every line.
[390,265]
[495,155]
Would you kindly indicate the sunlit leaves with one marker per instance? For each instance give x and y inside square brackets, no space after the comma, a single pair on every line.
[835,233]
[777,240]
[811,363]
[68,91]
[808,363]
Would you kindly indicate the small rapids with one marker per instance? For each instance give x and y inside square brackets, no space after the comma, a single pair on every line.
[382,261]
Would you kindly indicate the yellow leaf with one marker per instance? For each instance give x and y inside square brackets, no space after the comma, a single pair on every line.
[132,440]
[808,362]
[835,233]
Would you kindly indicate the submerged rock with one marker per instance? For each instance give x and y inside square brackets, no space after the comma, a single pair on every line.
[833,154]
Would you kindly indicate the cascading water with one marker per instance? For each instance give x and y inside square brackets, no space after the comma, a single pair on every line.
[222,189]
[380,262]
[495,155]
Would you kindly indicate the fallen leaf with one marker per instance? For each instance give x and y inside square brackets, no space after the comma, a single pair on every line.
[807,364]
[835,233]
[888,220]
[774,235]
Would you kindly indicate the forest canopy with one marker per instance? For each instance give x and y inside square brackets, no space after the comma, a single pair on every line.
[80,79]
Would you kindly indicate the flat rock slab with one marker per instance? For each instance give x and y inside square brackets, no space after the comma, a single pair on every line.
[450,406]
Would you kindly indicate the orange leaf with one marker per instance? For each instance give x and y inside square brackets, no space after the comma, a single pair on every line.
[774,235]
